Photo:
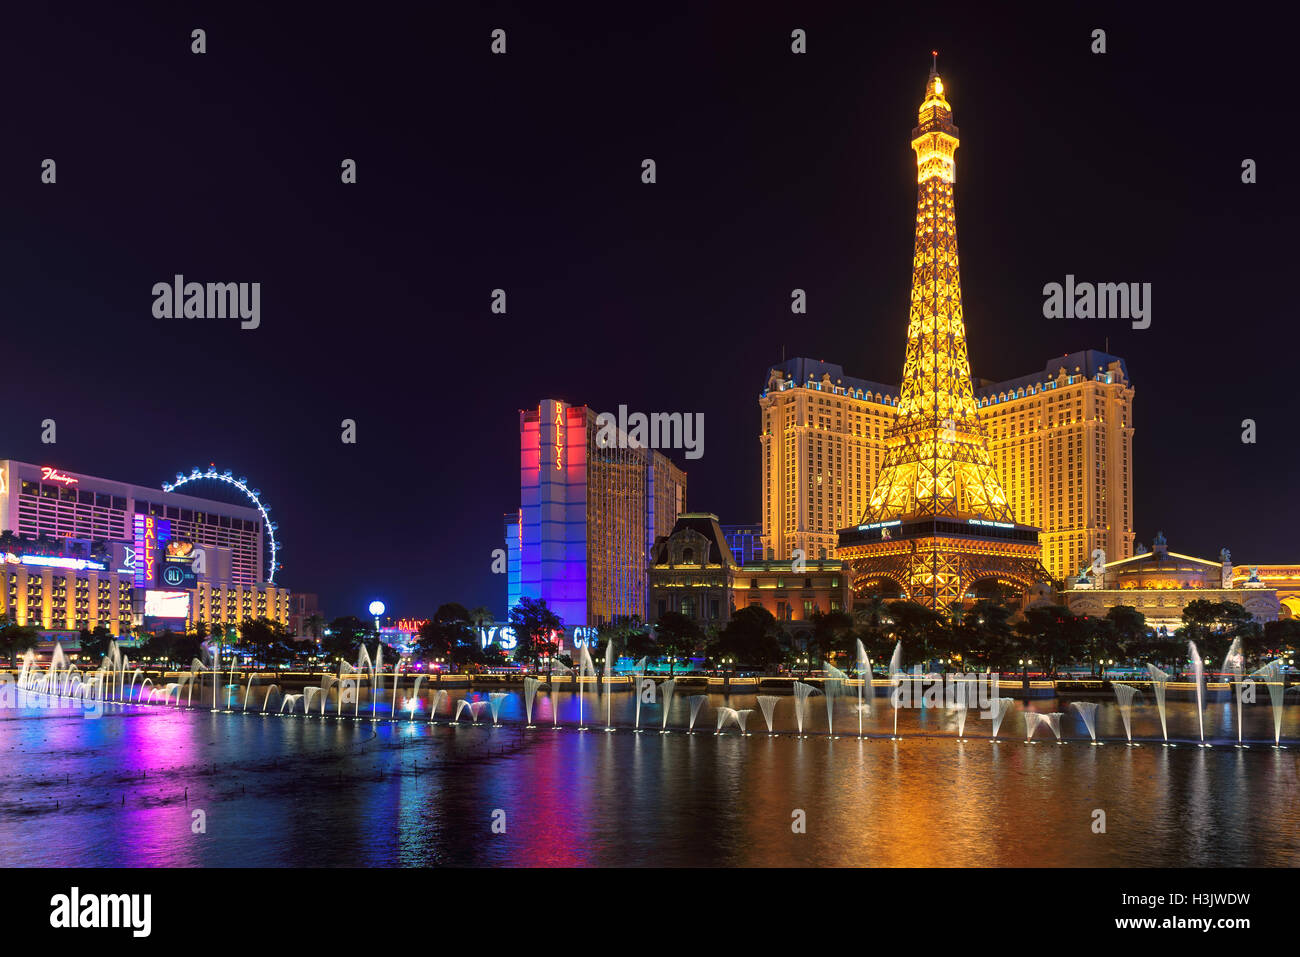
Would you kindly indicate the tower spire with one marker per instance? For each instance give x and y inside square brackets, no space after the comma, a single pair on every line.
[934,63]
[937,460]
[937,485]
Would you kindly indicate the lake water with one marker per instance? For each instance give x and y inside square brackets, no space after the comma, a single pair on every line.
[310,792]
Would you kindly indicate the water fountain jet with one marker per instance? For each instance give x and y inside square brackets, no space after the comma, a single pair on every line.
[1053,721]
[530,692]
[896,677]
[1088,712]
[666,695]
[1272,677]
[1159,684]
[697,702]
[999,708]
[1198,672]
[1124,695]
[1232,664]
[831,686]
[801,692]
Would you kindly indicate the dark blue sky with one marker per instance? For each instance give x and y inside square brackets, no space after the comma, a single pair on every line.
[522,172]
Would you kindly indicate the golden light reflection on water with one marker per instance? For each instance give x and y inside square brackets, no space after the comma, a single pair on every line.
[294,792]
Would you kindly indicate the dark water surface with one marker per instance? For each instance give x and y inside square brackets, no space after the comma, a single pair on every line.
[310,792]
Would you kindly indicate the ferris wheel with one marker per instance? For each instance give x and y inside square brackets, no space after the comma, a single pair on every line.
[253,495]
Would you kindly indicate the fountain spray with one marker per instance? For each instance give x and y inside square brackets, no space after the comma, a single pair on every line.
[530,692]
[831,688]
[1124,695]
[638,674]
[697,702]
[608,673]
[1198,671]
[1232,663]
[864,685]
[1088,712]
[896,677]
[666,694]
[584,666]
[1159,682]
[802,692]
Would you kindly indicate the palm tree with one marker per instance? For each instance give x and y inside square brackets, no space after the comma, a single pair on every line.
[315,624]
[481,618]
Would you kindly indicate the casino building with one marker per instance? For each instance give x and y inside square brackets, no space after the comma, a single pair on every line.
[952,481]
[1061,440]
[85,551]
[588,517]
[1160,583]
[695,572]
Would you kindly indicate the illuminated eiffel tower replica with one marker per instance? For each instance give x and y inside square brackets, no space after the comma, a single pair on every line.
[938,521]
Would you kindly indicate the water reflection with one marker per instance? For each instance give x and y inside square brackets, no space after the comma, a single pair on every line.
[296,792]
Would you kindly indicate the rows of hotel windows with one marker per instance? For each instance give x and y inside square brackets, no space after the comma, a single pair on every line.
[81,605]
[49,492]
[830,452]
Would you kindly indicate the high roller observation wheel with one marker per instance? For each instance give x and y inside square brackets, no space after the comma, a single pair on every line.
[253,495]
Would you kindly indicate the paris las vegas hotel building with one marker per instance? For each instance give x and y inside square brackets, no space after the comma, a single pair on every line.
[86,551]
[1061,439]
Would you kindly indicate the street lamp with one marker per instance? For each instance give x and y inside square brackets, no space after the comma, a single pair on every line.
[376,609]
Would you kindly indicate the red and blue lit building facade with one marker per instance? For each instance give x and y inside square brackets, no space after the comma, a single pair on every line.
[588,517]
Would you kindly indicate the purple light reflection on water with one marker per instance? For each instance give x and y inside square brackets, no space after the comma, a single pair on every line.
[298,792]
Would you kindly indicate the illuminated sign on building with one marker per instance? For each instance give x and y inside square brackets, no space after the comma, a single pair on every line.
[148,531]
[177,573]
[502,635]
[49,474]
[559,434]
[167,604]
[981,521]
[137,535]
[866,528]
[47,561]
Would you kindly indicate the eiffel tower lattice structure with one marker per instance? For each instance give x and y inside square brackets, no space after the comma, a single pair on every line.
[938,521]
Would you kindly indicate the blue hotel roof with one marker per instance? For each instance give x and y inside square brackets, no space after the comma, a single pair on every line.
[1087,362]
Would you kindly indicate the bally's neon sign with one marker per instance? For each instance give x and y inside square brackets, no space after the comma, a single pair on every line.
[559,434]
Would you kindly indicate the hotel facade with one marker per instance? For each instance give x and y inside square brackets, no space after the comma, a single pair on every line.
[590,512]
[86,551]
[696,573]
[1061,440]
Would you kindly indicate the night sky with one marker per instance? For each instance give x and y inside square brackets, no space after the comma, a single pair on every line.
[522,171]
